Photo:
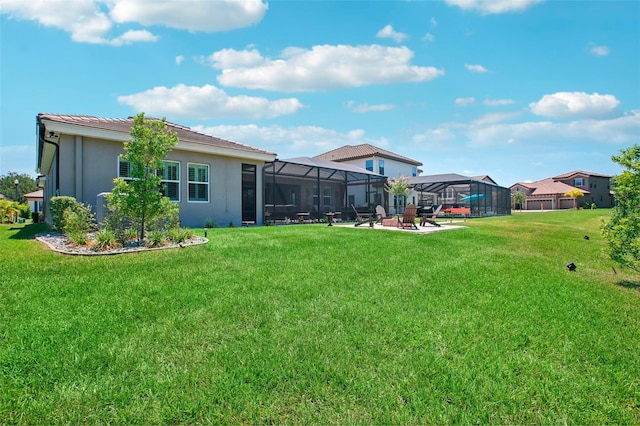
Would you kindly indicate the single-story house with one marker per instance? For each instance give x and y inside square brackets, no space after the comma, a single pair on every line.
[35,199]
[549,193]
[210,178]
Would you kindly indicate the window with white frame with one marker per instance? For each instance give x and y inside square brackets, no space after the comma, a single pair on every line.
[170,174]
[414,171]
[369,165]
[198,182]
[381,167]
[326,196]
[578,182]
[124,169]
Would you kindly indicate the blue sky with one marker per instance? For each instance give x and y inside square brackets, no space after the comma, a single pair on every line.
[519,90]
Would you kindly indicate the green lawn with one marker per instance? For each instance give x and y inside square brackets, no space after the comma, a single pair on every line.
[326,325]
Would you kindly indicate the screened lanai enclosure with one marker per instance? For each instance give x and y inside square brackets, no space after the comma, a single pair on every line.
[456,192]
[308,188]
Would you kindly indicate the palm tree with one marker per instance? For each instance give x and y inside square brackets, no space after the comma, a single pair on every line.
[574,193]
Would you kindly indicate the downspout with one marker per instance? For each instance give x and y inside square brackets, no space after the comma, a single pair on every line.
[57,155]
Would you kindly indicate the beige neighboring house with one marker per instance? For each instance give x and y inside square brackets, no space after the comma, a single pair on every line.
[377,160]
[35,200]
[208,177]
[549,193]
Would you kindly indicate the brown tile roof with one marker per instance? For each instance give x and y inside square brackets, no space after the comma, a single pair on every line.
[124,125]
[353,152]
[548,186]
[569,175]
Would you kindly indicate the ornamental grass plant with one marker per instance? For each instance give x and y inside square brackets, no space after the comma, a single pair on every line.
[312,324]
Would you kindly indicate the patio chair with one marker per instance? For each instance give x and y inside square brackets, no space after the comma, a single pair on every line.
[408,219]
[430,217]
[363,217]
[381,214]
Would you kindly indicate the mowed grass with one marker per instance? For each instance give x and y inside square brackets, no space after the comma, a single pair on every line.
[309,324]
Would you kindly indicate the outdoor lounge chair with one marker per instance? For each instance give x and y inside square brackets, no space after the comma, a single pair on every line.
[408,219]
[381,214]
[430,217]
[363,217]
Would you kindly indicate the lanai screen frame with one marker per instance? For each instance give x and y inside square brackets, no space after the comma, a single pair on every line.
[493,200]
[311,172]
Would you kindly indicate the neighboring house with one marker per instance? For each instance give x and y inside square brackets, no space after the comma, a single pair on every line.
[210,178]
[35,200]
[549,193]
[377,160]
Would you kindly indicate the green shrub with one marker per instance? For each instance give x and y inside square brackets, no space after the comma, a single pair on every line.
[167,217]
[106,239]
[77,220]
[25,210]
[155,239]
[179,235]
[57,206]
[82,219]
[130,234]
[78,238]
[210,223]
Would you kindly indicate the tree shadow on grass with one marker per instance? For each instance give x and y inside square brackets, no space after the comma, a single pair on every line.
[28,232]
[632,285]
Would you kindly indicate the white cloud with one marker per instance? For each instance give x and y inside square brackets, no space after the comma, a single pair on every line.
[196,15]
[389,32]
[498,102]
[179,59]
[486,133]
[598,50]
[133,36]
[231,58]
[363,108]
[575,104]
[476,68]
[91,21]
[429,37]
[289,142]
[463,102]
[206,102]
[495,117]
[323,67]
[488,7]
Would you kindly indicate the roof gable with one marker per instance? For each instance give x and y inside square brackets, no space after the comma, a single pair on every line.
[354,152]
[579,173]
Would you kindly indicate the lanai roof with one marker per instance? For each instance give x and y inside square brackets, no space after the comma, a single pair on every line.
[306,167]
[436,183]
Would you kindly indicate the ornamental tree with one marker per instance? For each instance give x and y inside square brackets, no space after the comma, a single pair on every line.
[26,184]
[399,188]
[622,231]
[140,198]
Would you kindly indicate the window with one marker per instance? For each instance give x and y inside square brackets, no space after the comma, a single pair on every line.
[381,167]
[198,182]
[124,169]
[578,182]
[326,196]
[170,174]
[369,165]
[414,171]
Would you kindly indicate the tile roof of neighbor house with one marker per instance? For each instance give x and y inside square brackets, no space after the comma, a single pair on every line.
[579,172]
[548,186]
[365,150]
[124,125]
